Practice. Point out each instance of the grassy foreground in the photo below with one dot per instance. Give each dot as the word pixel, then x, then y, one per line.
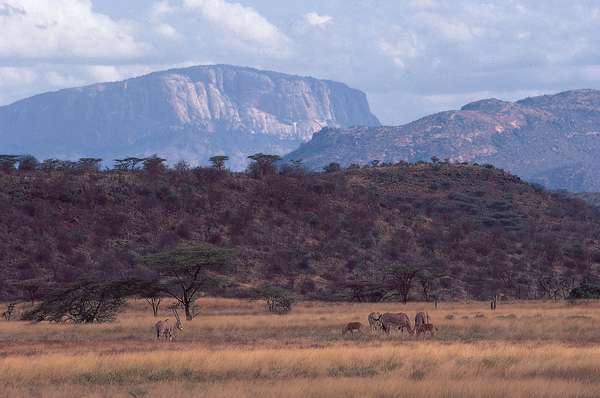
pixel 233 349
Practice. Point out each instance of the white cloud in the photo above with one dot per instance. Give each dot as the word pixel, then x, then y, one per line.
pixel 14 77
pixel 63 28
pixel 402 48
pixel 445 28
pixel 422 4
pixel 158 13
pixel 160 9
pixel 167 30
pixel 58 79
pixel 314 19
pixel 112 73
pixel 104 73
pixel 244 23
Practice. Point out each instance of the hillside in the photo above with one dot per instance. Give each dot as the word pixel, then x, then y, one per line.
pixel 551 139
pixel 188 114
pixel 470 230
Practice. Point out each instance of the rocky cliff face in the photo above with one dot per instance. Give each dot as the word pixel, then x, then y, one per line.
pixel 189 114
pixel 552 139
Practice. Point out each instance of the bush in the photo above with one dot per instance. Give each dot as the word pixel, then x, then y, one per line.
pixel 279 301
pixel 588 289
pixel 28 163
pixel 279 304
pixel 332 167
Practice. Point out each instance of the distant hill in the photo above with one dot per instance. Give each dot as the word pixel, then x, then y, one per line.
pixel 469 230
pixel 552 139
pixel 189 114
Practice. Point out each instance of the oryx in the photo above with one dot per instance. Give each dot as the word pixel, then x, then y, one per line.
pixel 399 320
pixel 375 321
pixel 167 328
pixel 422 318
pixel 426 328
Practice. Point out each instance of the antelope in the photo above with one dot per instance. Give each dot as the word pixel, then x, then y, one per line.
pixel 166 328
pixel 421 318
pixel 8 314
pixel 426 328
pixel 375 320
pixel 399 320
pixel 351 327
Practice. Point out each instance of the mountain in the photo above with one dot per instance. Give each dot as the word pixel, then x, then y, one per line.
pixel 189 114
pixel 475 229
pixel 552 139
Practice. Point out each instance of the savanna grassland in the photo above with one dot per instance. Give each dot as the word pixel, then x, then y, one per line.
pixel 234 349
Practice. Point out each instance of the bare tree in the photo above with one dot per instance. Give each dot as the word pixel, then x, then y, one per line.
pixel 154 303
pixel 426 280
pixel 402 276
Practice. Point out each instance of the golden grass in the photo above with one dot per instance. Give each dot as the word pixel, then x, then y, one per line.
pixel 234 349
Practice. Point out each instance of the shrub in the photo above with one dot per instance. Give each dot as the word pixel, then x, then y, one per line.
pixel 588 289
pixel 279 301
pixel 28 163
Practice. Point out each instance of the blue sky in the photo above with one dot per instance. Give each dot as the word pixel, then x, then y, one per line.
pixel 411 57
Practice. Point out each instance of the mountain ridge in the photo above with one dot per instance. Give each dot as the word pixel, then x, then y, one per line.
pixel 533 138
pixel 184 113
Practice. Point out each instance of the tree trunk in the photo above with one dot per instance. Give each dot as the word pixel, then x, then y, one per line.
pixel 188 313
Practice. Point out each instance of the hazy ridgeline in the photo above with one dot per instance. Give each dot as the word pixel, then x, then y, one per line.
pixel 233 348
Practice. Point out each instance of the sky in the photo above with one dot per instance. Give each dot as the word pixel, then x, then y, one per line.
pixel 411 57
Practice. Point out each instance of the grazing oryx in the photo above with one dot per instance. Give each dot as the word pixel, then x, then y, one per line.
pixel 351 327
pixel 426 328
pixel 166 328
pixel 375 320
pixel 421 318
pixel 396 321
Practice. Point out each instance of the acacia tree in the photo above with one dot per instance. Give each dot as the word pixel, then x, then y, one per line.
pixel 263 164
pixel 218 161
pixel 89 165
pixel 185 272
pixel 128 164
pixel 86 301
pixel 154 164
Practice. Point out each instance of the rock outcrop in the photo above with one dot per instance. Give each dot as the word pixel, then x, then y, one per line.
pixel 189 114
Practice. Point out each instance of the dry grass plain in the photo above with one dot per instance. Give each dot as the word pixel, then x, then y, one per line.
pixel 234 349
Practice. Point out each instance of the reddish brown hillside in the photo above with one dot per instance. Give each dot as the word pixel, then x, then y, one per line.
pixel 470 230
